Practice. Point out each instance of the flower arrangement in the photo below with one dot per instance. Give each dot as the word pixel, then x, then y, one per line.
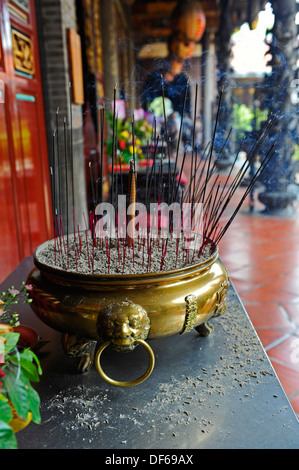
pixel 19 402
pixel 8 299
pixel 124 132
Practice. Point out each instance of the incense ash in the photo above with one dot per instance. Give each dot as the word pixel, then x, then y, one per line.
pixel 85 255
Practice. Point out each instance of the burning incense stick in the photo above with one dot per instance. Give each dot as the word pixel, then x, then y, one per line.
pixel 94 199
pixel 113 144
pixel 66 180
pixel 179 138
pixel 58 161
pixel 71 145
pixel 132 200
pixel 102 114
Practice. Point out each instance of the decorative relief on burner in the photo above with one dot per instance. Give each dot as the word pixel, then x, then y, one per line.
pixel 221 296
pixel 191 313
pixel 123 323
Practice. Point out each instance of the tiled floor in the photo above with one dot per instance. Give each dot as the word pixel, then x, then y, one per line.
pixel 261 254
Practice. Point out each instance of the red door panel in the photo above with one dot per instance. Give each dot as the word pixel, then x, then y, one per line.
pixel 30 163
pixel 9 246
pixel 25 197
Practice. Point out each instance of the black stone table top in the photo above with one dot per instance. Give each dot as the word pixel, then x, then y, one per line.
pixel 214 392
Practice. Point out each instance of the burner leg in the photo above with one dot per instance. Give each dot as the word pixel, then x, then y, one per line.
pixel 205 328
pixel 81 349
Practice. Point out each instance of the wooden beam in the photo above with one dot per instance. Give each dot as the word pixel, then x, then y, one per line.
pixel 165 9
pixel 160 7
pixel 152 20
pixel 168 7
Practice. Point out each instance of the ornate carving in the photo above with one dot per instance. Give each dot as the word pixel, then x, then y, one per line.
pixel 23 4
pixel 123 323
pixel 44 300
pixel 80 348
pixel 20 9
pixel 23 56
pixel 191 313
pixel 221 296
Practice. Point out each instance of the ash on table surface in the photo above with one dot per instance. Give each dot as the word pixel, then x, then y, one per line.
pixel 186 401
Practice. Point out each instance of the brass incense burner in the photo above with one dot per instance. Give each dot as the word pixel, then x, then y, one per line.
pixel 125 310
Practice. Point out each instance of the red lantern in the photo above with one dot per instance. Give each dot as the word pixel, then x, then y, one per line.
pixel 181 48
pixel 189 20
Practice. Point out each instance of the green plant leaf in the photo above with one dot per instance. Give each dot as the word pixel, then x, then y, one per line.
pixel 29 355
pixel 7 437
pixel 3 398
pixel 29 363
pixel 11 341
pixel 23 397
pixel 17 393
pixel 36 360
pixel 28 368
pixel 5 410
pixel 34 404
pixel 11 374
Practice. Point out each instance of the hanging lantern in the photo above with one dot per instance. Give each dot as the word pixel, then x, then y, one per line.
pixel 181 48
pixel 189 20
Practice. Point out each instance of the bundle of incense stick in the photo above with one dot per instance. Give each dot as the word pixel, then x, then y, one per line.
pixel 207 188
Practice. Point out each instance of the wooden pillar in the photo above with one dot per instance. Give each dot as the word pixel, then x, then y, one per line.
pixel 110 47
pixel 207 87
pixel 223 52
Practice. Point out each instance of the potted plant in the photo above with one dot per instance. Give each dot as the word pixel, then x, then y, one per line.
pixel 19 402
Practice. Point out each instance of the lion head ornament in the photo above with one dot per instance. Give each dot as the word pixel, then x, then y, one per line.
pixel 123 323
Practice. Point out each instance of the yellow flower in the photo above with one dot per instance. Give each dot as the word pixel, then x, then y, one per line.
pixel 1 306
pixel 125 134
pixel 4 329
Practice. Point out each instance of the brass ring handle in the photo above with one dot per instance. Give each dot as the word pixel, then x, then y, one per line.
pixel 129 383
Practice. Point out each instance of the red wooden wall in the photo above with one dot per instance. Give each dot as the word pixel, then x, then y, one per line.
pixel 25 199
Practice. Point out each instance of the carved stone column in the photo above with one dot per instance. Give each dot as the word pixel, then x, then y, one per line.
pixel 278 176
